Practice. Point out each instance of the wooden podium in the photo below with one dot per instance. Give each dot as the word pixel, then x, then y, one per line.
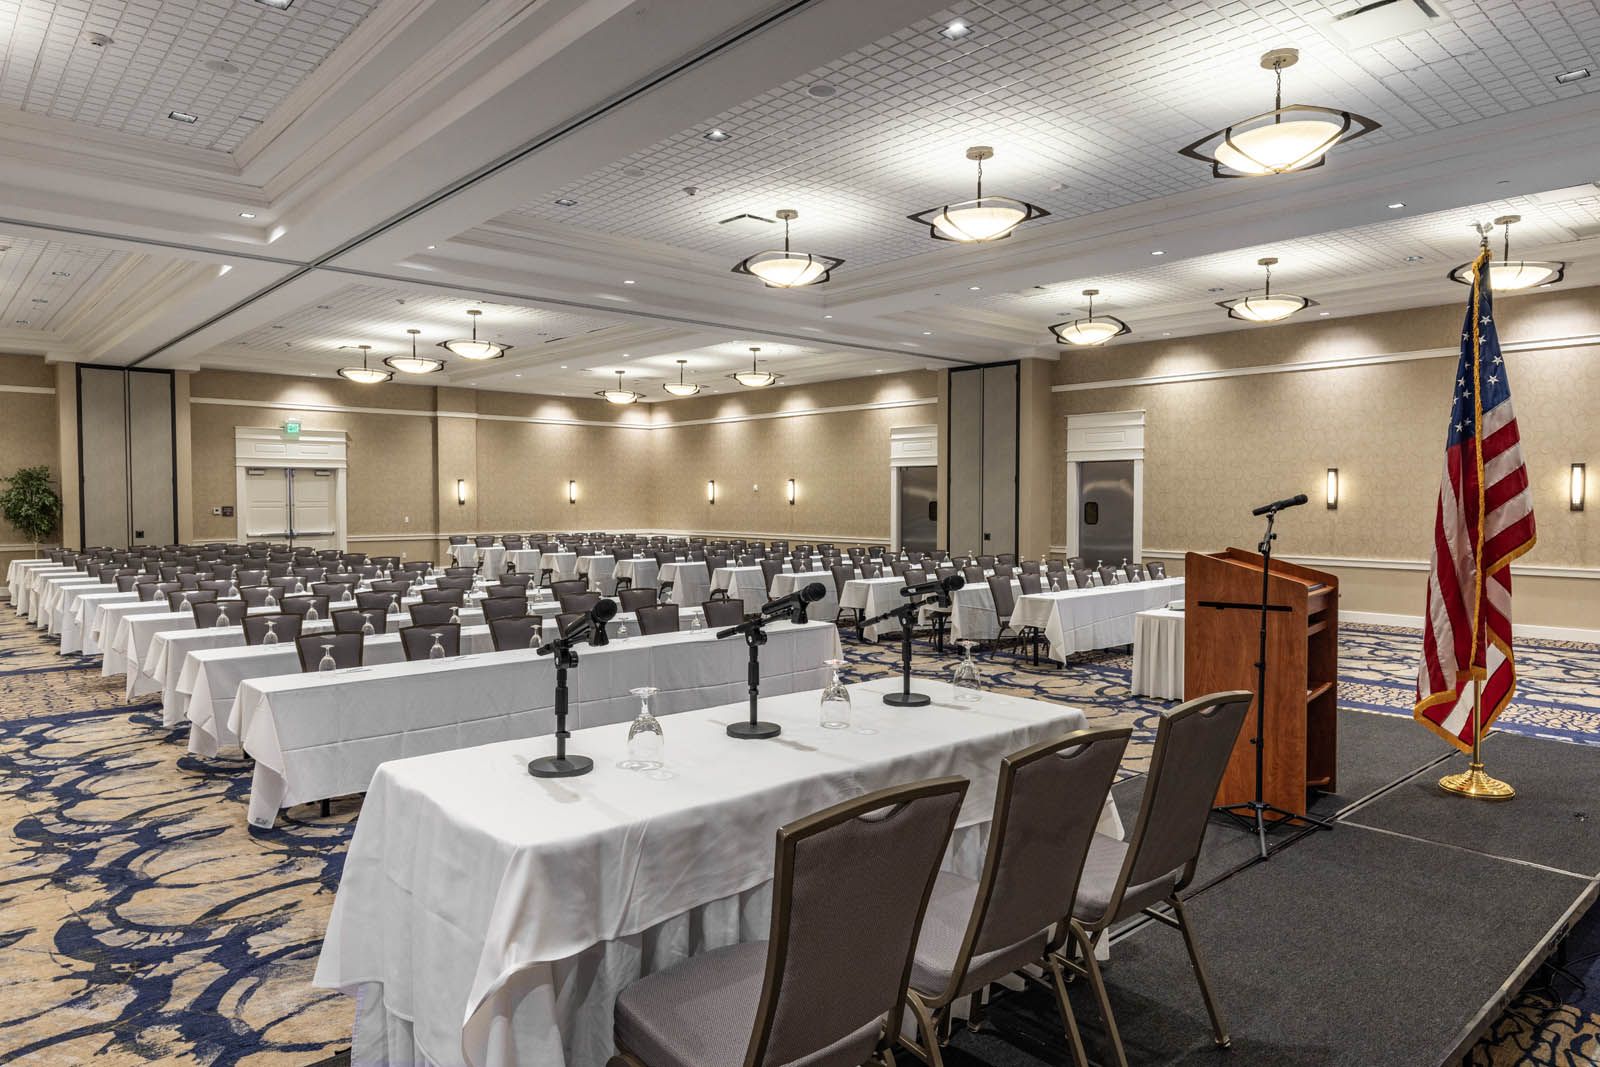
pixel 1220 647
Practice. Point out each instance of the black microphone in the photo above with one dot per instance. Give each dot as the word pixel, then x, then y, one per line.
pixel 943 586
pixel 809 593
pixel 591 624
pixel 1278 505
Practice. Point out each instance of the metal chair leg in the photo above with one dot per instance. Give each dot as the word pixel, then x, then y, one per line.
pixel 1074 1037
pixel 928 1027
pixel 1219 1032
pixel 1091 967
pixel 327 808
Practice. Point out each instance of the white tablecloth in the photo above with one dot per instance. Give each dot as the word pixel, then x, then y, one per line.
pixel 1158 654
pixel 48 591
pixel 493 557
pixel 563 564
pixel 322 735
pixel 578 886
pixel 641 572
pixel 823 610
pixel 79 608
pixel 25 593
pixel 1093 618
pixel 691 582
pixel 16 573
pixel 599 570
pixel 874 596
pixel 111 631
pixel 743 583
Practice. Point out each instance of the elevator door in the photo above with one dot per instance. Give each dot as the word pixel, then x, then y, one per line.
pixel 1105 511
pixel 918 520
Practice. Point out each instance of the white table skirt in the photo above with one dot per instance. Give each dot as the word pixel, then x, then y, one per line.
pixel 600 570
pixel 563 565
pixel 641 572
pixel 76 637
pixel 112 632
pixel 1158 654
pixel 874 596
pixel 691 582
pixel 17 572
pixel 571 900
pixel 322 735
pixel 50 596
pixel 26 592
pixel 823 610
pixel 743 583
pixel 1093 618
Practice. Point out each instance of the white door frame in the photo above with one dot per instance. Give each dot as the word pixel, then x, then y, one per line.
pixel 909 446
pixel 270 447
pixel 1105 435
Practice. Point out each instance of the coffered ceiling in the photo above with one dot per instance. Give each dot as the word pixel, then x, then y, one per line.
pixel 371 167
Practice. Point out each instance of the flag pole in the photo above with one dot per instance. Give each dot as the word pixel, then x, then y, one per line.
pixel 1474 782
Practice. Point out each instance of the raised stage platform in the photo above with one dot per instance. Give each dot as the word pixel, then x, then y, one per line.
pixel 1395 940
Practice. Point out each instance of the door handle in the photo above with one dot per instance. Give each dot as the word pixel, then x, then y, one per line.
pixel 933 511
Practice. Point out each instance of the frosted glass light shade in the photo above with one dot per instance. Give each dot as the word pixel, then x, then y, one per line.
pixel 1511 275
pixel 1090 331
pixel 1265 308
pixel 787 270
pixel 988 218
pixel 364 375
pixel 1278 147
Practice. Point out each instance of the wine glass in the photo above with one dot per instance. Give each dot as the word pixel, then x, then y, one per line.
pixel 311 613
pixel 645 740
pixel 696 622
pixel 367 629
pixel 966 683
pixel 1055 583
pixel 271 601
pixel 835 698
pixel 186 606
pixel 327 663
pixel 437 651
pixel 222 617
pixel 622 633
pixel 271 636
pixel 394 603
pixel 455 616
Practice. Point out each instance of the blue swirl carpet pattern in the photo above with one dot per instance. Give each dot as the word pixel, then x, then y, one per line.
pixel 142 921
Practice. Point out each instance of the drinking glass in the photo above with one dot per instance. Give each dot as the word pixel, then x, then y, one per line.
pixel 437 651
pixel 455 615
pixel 966 683
pixel 327 663
pixel 186 607
pixel 645 740
pixel 835 698
pixel 622 633
pixel 270 602
pixel 271 636
pixel 367 629
pixel 696 622
pixel 222 618
pixel 311 613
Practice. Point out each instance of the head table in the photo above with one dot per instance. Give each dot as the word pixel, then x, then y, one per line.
pixel 490 918
pixel 321 735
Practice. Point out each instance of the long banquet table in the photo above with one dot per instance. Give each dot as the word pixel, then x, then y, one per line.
pixel 691 581
pixel 320 735
pixel 17 573
pixel 490 918
pixel 1084 619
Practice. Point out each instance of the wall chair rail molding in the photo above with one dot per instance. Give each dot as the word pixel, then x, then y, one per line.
pixel 1543 344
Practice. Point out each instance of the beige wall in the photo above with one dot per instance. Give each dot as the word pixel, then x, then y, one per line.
pixel 1215 448
pixel 28 435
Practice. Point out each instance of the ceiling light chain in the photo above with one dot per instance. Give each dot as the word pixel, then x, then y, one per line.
pixel 992 218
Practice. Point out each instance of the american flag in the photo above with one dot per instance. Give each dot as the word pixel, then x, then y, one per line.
pixel 1484 521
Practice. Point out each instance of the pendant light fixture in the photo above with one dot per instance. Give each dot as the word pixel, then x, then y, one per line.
pixel 619 395
pixel 755 378
pixel 1507 274
pixel 681 387
pixel 984 218
pixel 786 269
pixel 1265 308
pixel 414 364
pixel 473 348
pixel 364 375
pixel 1285 139
pixel 1091 330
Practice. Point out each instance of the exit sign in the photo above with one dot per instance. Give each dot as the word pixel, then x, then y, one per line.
pixel 292 427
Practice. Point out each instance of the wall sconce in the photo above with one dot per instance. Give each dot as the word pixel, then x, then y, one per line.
pixel 1576 490
pixel 791 492
pixel 1333 488
pixel 461 491
pixel 711 491
pixel 572 492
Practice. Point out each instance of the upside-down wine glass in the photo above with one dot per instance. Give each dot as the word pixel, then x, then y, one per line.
pixel 327 663
pixel 646 744
pixel 437 651
pixel 271 636
pixel 835 698
pixel 966 683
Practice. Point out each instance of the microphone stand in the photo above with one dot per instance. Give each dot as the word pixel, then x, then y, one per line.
pixel 1252 814
pixel 755 635
pixel 907 614
pixel 561 765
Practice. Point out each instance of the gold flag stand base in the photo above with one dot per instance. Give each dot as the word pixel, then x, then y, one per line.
pixel 1473 782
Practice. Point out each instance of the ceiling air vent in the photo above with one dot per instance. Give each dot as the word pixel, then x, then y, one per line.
pixel 1382 20
pixel 746 223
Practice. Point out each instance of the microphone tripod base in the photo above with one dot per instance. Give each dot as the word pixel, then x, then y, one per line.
pixel 907 700
pixel 560 766
pixel 754 731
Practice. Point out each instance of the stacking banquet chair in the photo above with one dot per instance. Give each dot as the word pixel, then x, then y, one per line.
pixel 1156 570
pixel 448 582
pixel 1030 566
pixel 519 580
pixel 1134 572
pixel 255 596
pixel 504 607
pixel 723 612
pixel 1082 578
pixel 1108 575
pixel 284 627
pixel 392 585
pixel 1005 602
pixel 525 631
pixel 850 886
pixel 1047 803
pixel 305 604
pixel 567 587
pixel 658 619
pixel 379 601
pixel 842 574
pixel 176 598
pixel 484 540
pixel 1121 878
pixel 500 589
pixel 344 648
pixel 578 603
pixel 417 641
pixel 209 613
pixel 352 620
pixel 432 614
pixel 458 539
pixel 453 597
pixel 634 599
pixel 1031 583
pixel 770 569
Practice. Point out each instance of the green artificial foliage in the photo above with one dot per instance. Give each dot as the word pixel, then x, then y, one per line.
pixel 30 503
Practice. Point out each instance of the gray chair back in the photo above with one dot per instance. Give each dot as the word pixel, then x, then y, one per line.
pixel 567 586
pixel 1005 601
pixel 501 589
pixel 723 612
pixel 344 648
pixel 577 603
pixel 392 585
pixel 454 597
pixel 155 590
pixel 458 539
pixel 211 613
pixel 1082 578
pixel 1194 742
pixel 634 599
pixel 350 620
pixel 1156 569
pixel 449 582
pixel 522 632
pixel 658 619
pixel 1031 583
pixel 504 607
pixel 829 966
pixel 973 574
pixel 1108 575
pixel 302 605
pixel 176 598
pixel 378 601
pixel 842 574
pixel 418 640
pixel 426 614
pixel 520 580
pixel 770 569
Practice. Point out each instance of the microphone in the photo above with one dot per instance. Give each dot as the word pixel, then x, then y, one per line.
pixel 942 586
pixel 1278 505
pixel 591 624
pixel 809 593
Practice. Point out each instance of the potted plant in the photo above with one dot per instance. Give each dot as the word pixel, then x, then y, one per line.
pixel 30 503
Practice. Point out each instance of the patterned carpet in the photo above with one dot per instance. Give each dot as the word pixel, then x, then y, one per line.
pixel 141 921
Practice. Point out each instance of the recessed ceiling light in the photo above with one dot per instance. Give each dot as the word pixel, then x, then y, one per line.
pixel 247 214
pixel 432 247
pixel 1166 333
pixel 878 371
pixel 975 288
pixel 1572 76
pixel 718 134
pixel 955 29
pixel 518 375
pixel 99 40
pixel 59 274
pixel 1323 314
pixel 927 333
pixel 1397 205
pixel 1413 259
pixel 627 281
pixel 827 316
pixel 1158 252
pixel 566 201
pixel 183 116
pixel 820 90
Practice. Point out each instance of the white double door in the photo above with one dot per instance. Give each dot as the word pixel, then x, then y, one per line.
pixel 293 504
